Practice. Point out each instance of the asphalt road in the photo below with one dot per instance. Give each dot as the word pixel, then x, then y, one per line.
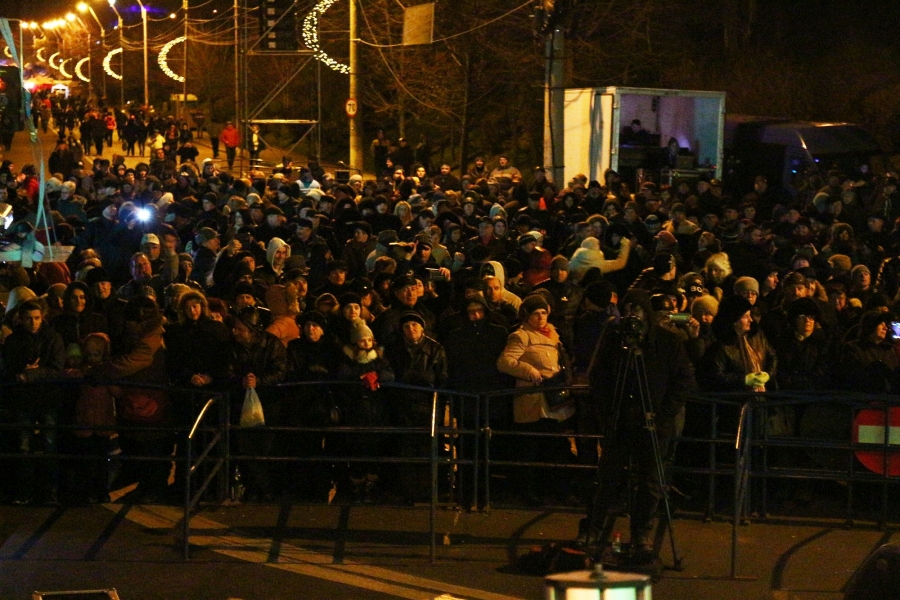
pixel 351 551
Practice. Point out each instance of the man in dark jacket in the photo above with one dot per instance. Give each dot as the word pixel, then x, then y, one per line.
pixel 416 360
pixel 259 362
pixel 638 349
pixel 34 352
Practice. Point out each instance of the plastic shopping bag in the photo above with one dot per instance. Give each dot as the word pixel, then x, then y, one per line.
pixel 252 411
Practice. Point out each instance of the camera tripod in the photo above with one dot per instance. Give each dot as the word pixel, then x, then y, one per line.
pixel 631 381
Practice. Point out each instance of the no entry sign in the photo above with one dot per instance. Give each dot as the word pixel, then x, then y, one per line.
pixel 868 428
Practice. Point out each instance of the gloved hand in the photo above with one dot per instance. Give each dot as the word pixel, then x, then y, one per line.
pixel 370 380
pixel 756 379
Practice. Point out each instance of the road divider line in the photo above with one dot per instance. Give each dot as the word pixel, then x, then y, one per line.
pixel 300 560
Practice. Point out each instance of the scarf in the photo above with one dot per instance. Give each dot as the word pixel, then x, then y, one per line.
pixel 751 360
pixel 545 331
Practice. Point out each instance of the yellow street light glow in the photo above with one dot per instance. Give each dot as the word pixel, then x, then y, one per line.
pixel 70 17
pixel 25 25
pixel 82 7
pixel 171 15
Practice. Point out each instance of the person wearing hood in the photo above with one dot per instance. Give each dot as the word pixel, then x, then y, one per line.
pixel 78 318
pixel 473 350
pixel 668 378
pixel 590 255
pixel 277 253
pixel 493 268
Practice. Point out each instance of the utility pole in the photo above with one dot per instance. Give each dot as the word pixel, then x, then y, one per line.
pixel 146 66
pixel 554 101
pixel 184 83
pixel 551 17
pixel 356 146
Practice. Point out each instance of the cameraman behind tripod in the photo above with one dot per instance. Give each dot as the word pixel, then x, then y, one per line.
pixel 643 368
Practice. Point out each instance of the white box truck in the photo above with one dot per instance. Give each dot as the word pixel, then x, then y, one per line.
pixel 598 133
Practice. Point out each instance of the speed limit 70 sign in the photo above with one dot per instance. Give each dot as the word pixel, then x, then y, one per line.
pixel 351 107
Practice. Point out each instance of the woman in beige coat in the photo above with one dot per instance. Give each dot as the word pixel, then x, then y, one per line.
pixel 532 356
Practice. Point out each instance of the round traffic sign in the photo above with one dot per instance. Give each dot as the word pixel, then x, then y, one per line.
pixel 868 428
pixel 351 107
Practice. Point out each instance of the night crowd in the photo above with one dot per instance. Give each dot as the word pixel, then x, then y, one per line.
pixel 183 274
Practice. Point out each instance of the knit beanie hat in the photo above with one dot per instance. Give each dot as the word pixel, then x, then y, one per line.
pixel 360 331
pixel 859 269
pixel 746 284
pixel 840 262
pixel 705 304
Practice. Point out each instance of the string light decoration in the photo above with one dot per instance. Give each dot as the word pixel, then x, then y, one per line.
pixel 311 37
pixel 106 64
pixel 52 57
pixel 163 62
pixel 62 68
pixel 79 73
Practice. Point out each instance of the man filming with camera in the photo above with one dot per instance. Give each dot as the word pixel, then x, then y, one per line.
pixel 640 383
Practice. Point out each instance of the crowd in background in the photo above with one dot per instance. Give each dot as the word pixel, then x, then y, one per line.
pixel 186 274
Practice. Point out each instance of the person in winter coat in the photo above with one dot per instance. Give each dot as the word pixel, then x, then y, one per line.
pixel 362 406
pixel 33 353
pixel 78 318
pixel 277 253
pixel 870 363
pixel 534 355
pixel 142 361
pixel 416 359
pixel 258 361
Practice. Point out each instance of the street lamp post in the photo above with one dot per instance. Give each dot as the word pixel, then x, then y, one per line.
pixel 85 7
pixel 146 83
pixel 112 5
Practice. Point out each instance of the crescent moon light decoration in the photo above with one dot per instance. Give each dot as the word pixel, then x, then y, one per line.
pixel 163 59
pixel 40 56
pixel 52 65
pixel 62 68
pixel 311 37
pixel 78 72
pixel 106 64
pixel 7 52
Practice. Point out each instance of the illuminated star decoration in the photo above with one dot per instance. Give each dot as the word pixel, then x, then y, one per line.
pixel 78 71
pixel 106 64
pixel 163 62
pixel 311 37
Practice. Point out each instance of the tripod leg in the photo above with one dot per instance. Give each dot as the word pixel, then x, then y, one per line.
pixel 659 465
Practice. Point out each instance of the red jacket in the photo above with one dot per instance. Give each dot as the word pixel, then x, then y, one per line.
pixel 230 137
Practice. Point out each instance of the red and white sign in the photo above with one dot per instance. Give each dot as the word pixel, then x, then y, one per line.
pixel 868 428
pixel 351 107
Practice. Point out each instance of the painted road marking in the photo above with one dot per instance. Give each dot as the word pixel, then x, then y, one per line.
pixel 301 560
